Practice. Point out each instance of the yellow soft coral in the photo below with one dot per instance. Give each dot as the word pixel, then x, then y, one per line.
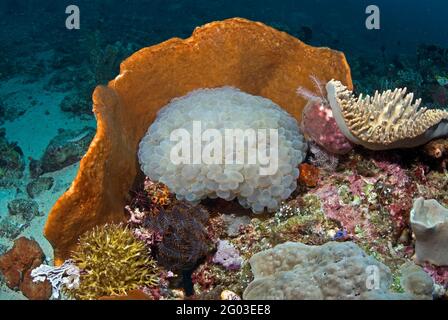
pixel 112 263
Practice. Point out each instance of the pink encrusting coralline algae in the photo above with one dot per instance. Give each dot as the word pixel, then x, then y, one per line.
pixel 318 122
pixel 320 126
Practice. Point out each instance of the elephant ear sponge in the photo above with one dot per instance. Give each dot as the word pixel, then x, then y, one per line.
pixel 112 263
pixel 222 109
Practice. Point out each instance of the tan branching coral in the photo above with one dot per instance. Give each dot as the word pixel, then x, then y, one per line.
pixel 112 263
pixel 385 121
pixel 248 55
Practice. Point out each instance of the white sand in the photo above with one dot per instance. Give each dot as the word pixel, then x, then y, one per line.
pixel 33 131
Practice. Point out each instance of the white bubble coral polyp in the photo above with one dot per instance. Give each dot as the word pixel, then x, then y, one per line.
pixel 221 109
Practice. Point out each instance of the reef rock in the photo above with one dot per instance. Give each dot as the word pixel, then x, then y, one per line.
pixel 12 163
pixel 247 55
pixel 416 281
pixel 65 149
pixel 24 209
pixel 39 185
pixel 335 270
pixel 16 266
pixel 429 221
pixel 233 223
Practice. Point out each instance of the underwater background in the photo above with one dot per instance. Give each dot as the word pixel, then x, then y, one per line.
pixel 48 73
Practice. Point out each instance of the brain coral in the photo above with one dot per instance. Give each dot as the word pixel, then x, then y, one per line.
pixel 335 270
pixel 222 109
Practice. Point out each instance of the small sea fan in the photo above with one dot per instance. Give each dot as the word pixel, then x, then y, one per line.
pixel 311 96
pixel 184 237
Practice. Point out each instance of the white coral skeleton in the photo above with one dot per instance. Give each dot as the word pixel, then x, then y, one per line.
pixel 66 275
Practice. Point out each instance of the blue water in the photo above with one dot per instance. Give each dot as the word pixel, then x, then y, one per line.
pixel 30 26
pixel 340 24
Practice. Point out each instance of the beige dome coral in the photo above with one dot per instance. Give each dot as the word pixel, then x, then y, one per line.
pixel 387 120
pixel 334 270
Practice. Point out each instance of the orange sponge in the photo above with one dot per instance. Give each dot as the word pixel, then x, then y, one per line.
pixel 236 52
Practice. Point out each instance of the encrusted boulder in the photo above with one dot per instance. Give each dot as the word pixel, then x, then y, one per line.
pixel 66 148
pixel 23 209
pixel 12 162
pixel 16 266
pixel 39 185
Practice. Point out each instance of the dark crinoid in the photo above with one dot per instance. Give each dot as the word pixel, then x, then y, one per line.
pixel 184 236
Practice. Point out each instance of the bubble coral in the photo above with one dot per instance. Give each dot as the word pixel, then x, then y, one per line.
pixel 112 263
pixel 255 184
